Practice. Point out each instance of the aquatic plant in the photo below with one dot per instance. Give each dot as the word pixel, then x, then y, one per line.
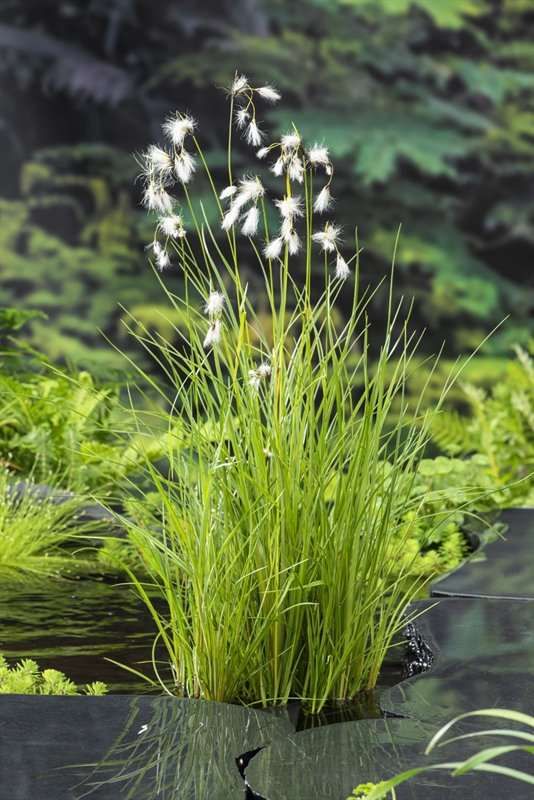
pixel 34 529
pixel 278 527
pixel 26 678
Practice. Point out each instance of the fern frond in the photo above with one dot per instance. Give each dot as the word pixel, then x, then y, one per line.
pixel 452 432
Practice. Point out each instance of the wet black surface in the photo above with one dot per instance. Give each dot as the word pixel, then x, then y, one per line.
pixel 328 763
pixel 61 748
pixel 483 657
pixel 503 568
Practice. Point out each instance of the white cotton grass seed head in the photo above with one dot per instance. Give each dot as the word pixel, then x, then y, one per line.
pixel 278 167
pixel 157 199
pixel 273 248
pixel 150 198
pixel 241 118
pixel 165 201
pixel 323 201
pixel 293 243
pixel 269 93
pixel 253 134
pixel 177 126
pixel 228 192
pixel 264 370
pixel 290 207
pixel 319 154
pixel 214 305
pixel 291 141
pixel 254 379
pixel 263 152
pixel 328 238
pixel 296 170
pixel 240 83
pixel 184 165
pixel 213 335
pixel 171 226
pixel 250 189
pixel 342 268
pixel 231 216
pixel 156 247
pixel 252 218
pixel 162 260
pixel 159 160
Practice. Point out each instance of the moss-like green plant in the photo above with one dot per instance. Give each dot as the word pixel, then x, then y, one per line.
pixel 500 427
pixel 447 491
pixel 363 790
pixel 26 678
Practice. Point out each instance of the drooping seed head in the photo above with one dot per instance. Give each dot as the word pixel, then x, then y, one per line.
pixel 240 83
pixel 319 154
pixel 290 207
pixel 214 305
pixel 213 335
pixel 184 165
pixel 323 201
pixel 328 237
pixel 171 225
pixel 252 218
pixel 273 248
pixel 241 118
pixel 253 134
pixel 162 260
pixel 342 268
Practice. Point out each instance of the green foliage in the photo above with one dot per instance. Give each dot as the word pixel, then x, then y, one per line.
pixel 363 790
pixel 445 492
pixel 500 427
pixel 60 423
pixel 26 678
pixel 71 247
pixel 34 530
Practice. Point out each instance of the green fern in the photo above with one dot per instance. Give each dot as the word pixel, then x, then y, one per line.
pixel 500 427
pixel 451 432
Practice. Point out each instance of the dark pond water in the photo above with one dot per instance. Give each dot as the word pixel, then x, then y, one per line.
pixel 74 626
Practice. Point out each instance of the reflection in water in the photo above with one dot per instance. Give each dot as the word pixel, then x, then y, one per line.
pixel 74 625
pixel 177 749
pixel 483 657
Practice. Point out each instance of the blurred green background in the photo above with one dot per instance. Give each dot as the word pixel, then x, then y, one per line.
pixel 426 105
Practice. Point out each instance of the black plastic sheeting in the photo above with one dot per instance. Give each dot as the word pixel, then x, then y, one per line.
pixel 502 568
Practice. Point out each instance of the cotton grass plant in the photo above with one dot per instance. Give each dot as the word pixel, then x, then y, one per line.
pixel 275 536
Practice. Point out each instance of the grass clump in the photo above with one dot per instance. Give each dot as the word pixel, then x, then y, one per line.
pixel 276 534
pixel 36 529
